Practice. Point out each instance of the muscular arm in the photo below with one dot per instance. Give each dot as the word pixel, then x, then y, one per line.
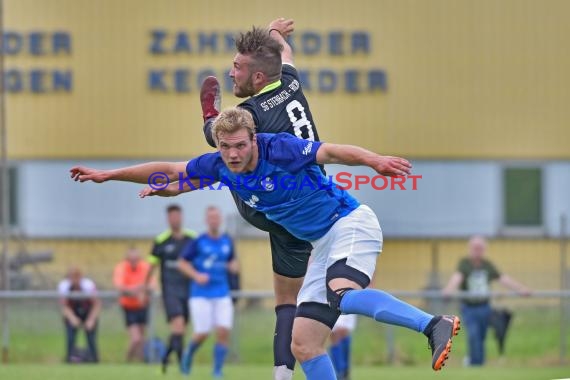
pixel 279 30
pixel 353 156
pixel 137 173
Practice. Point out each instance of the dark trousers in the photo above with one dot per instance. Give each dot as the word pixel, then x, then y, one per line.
pixel 70 338
pixel 476 320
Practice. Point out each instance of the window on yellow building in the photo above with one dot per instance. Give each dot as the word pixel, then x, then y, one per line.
pixel 522 197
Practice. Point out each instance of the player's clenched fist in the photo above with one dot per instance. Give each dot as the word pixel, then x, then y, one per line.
pixel 283 26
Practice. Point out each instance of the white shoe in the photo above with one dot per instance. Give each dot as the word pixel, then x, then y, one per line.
pixel 282 373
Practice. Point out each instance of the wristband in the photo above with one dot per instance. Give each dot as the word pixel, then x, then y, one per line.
pixel 272 29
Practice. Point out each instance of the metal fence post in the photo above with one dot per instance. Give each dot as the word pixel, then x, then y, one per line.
pixel 563 286
pixel 4 203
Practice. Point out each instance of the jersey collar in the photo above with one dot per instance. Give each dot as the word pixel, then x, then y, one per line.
pixel 269 87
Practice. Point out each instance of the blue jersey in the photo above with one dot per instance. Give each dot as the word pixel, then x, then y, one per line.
pixel 287 185
pixel 211 256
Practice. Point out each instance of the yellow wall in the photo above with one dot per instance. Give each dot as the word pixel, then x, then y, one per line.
pixel 466 79
pixel 404 264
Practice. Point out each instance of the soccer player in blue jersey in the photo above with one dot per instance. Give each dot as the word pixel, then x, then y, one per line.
pixel 278 174
pixel 207 261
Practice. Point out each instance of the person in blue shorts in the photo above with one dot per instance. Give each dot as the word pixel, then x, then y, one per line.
pixel 207 261
pixel 279 175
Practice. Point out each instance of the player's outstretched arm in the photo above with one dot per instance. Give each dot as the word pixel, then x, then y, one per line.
pixel 354 155
pixel 137 173
pixel 173 189
pixel 279 30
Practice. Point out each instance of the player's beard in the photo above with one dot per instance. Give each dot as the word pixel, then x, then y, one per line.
pixel 244 90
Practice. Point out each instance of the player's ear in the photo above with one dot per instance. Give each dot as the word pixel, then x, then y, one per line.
pixel 258 78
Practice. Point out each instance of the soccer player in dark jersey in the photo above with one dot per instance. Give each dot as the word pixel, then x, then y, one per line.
pixel 167 248
pixel 263 72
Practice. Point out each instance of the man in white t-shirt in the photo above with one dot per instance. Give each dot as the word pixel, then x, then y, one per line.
pixel 79 313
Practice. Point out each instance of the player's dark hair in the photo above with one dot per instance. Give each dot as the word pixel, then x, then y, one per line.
pixel 264 51
pixel 172 208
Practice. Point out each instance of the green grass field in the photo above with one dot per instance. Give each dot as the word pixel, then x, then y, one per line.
pixel 36 349
pixel 248 372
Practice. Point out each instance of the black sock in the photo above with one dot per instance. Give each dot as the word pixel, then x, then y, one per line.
pixel 429 327
pixel 282 354
pixel 176 345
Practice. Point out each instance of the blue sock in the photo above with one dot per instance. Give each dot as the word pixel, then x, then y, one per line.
pixel 319 368
pixel 220 353
pixel 345 344
pixel 337 357
pixel 384 307
pixel 187 357
pixel 193 347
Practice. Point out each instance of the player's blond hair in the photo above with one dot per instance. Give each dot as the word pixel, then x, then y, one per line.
pixel 232 120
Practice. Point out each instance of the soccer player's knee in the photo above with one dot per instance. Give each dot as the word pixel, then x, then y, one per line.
pixel 340 270
pixel 303 349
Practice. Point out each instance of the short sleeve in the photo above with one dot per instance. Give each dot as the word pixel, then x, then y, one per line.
pixel 205 166
pixel 63 288
pixel 494 273
pixel 88 286
pixel 292 153
pixel 231 256
pixel 464 267
pixel 190 249
pixel 153 259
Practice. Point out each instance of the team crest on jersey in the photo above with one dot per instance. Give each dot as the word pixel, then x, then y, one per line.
pixel 268 184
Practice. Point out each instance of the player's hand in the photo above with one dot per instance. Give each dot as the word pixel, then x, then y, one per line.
pixel 75 322
pixel 169 191
pixel 284 26
pixel 201 278
pixel 393 166
pixel 82 174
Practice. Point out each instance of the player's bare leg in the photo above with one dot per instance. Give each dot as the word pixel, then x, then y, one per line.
pixel 188 355
pixel 136 342
pixel 308 346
